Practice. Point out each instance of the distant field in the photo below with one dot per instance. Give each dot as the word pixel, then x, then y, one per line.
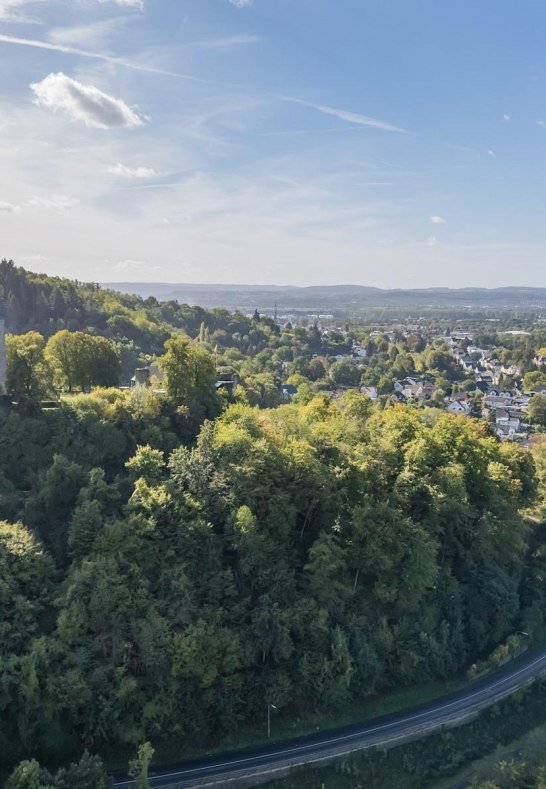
pixel 336 298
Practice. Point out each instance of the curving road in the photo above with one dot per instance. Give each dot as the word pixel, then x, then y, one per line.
pixel 271 760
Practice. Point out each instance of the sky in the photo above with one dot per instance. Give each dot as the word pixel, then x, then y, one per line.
pixel 375 142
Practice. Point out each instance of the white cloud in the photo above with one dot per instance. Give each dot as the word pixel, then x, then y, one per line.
pixel 491 154
pixel 131 172
pixel 54 202
pixel 432 241
pixel 241 3
pixel 94 34
pixel 9 13
pixel 131 265
pixel 507 118
pixel 7 6
pixel 541 123
pixel 438 220
pixel 84 103
pixel 8 208
pixel 136 266
pixel 127 3
pixel 350 117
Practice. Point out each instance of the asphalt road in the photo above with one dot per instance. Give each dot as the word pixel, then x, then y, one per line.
pixel 373 732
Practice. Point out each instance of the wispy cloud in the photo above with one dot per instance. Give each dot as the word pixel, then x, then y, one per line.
pixel 132 265
pixel 136 265
pixel 354 118
pixel 68 50
pixel 127 3
pixel 222 43
pixel 84 103
pixel 438 220
pixel 58 203
pixel 169 185
pixel 462 148
pixel 131 64
pixel 241 3
pixel 9 10
pixel 507 118
pixel 132 172
pixel 296 132
pixel 344 115
pixel 94 34
pixel 7 208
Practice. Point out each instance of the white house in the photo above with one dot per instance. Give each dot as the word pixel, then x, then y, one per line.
pixel 460 407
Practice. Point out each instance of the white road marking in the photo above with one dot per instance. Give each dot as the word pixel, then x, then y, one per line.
pixel 345 737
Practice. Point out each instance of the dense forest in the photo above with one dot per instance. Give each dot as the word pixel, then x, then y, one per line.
pixel 35 302
pixel 172 560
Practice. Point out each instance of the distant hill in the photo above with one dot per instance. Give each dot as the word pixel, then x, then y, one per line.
pixel 333 298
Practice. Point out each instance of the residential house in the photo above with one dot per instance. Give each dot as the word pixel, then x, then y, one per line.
pixel 288 392
pixel 228 382
pixel 370 391
pixel 145 375
pixel 473 350
pixel 398 397
pixel 496 401
pixel 461 335
pixel 459 407
pixel 512 370
pixel 424 391
pixel 358 351
pixel 507 427
pixel 522 401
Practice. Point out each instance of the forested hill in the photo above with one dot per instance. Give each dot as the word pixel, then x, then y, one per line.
pixel 337 298
pixel 37 302
pixel 139 327
pixel 307 555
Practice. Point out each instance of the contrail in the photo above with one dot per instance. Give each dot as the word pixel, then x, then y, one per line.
pixel 349 117
pixel 84 53
pixel 344 115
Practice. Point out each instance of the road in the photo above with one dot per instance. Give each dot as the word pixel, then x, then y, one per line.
pixel 220 770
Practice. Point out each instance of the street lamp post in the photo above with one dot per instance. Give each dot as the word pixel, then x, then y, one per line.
pixel 269 708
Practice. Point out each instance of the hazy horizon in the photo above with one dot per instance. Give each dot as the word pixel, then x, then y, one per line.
pixel 274 286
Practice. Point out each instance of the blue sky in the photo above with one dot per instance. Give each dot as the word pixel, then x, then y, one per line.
pixel 379 142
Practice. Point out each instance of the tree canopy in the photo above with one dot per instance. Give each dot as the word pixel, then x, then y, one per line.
pixel 174 557
pixel 309 554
